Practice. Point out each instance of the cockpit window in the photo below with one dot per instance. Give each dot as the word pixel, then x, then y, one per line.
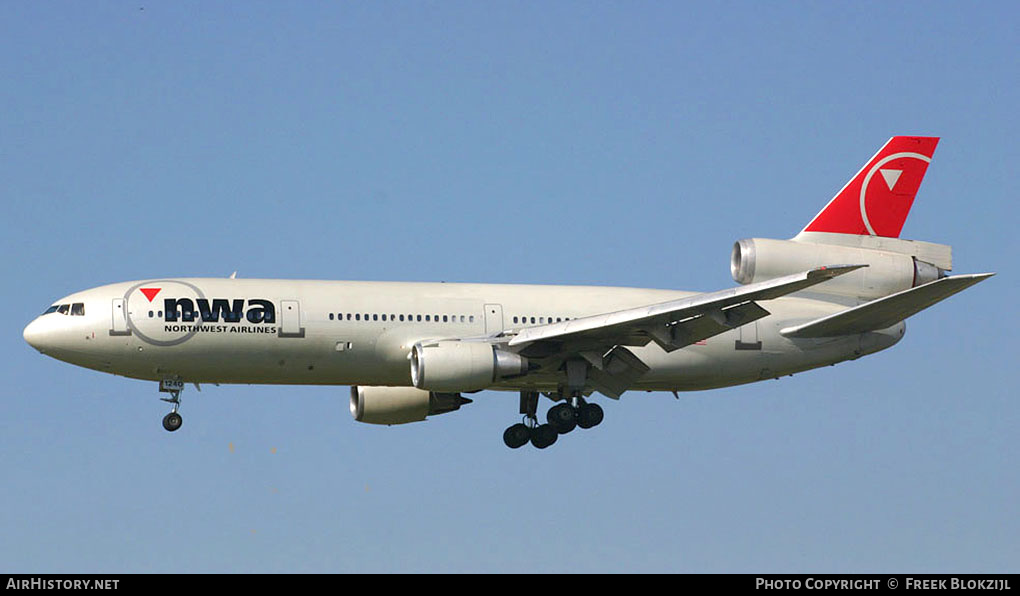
pixel 77 309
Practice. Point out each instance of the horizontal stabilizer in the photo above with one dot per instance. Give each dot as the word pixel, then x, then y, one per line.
pixel 881 313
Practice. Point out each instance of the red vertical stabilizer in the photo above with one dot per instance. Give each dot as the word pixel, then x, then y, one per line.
pixel 877 200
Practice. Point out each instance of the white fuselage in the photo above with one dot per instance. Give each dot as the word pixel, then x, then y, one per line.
pixel 360 333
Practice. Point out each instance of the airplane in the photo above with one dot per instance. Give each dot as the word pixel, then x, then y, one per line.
pixel 838 290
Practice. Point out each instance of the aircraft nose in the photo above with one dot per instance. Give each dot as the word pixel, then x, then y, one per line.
pixel 35 335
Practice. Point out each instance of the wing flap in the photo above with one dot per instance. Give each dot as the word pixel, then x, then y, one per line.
pixel 616 371
pixel 703 326
pixel 881 313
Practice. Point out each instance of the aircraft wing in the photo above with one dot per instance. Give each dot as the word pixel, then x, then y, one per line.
pixel 677 323
pixel 602 339
pixel 881 313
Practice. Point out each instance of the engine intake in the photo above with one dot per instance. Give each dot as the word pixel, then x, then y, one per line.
pixel 462 365
pixel 400 405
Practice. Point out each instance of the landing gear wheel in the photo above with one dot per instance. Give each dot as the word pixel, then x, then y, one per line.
pixel 172 421
pixel 562 417
pixel 589 415
pixel 517 435
pixel 543 436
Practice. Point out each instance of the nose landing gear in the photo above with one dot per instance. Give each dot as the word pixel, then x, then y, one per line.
pixel 173 420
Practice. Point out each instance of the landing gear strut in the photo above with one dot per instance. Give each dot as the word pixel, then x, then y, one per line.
pixel 173 420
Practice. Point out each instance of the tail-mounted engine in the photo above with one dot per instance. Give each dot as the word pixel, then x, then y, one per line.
pixel 891 269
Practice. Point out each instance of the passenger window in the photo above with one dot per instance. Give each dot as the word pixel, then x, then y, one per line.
pixel 427 317
pixel 357 317
pixel 384 317
pixel 444 319
pixel 330 316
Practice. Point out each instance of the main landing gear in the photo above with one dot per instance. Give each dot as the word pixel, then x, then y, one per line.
pixel 560 420
pixel 173 420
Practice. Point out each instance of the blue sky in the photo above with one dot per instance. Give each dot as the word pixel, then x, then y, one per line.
pixel 577 143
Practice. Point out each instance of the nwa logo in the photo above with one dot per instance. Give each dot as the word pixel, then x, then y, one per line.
pixel 214 310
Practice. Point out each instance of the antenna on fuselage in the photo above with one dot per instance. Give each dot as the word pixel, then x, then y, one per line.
pixel 233 275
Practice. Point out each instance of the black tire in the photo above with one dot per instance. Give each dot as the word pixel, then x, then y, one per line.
pixel 172 421
pixel 543 436
pixel 562 417
pixel 516 436
pixel 590 415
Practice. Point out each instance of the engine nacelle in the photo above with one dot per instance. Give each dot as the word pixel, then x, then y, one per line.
pixel 400 405
pixel 887 272
pixel 462 365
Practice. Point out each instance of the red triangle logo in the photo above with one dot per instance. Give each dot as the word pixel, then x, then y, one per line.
pixel 150 293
